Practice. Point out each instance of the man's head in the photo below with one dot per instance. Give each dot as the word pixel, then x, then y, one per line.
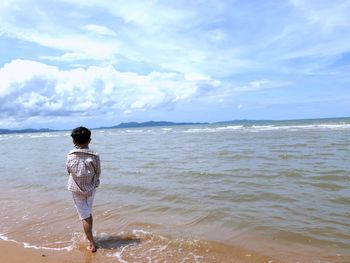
pixel 81 135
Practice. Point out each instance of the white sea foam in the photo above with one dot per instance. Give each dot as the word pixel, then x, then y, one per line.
pixel 28 245
pixel 44 135
pixel 36 247
pixel 255 128
pixel 191 255
pixel 133 131
pixel 235 127
pixel 119 255
pixel 302 127
pixel 200 130
pixel 3 237
pixel 141 233
pixel 155 246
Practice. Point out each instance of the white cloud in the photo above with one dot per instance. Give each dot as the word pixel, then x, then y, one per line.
pixel 316 31
pixel 22 71
pixel 102 30
pixel 261 85
pixel 197 76
pixel 162 34
pixel 67 57
pixel 186 37
pixel 325 14
pixel 194 49
pixel 32 88
pixel 218 35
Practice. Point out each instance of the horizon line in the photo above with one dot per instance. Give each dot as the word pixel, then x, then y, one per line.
pixel 172 122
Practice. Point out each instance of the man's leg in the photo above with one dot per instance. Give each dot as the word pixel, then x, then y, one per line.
pixel 87 225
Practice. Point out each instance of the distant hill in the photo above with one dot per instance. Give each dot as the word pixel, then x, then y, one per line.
pixel 151 124
pixel 121 125
pixel 6 131
pixel 168 123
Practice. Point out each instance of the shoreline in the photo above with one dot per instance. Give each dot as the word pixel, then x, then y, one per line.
pixel 12 252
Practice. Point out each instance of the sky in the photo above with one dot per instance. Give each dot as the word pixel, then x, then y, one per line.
pixel 99 63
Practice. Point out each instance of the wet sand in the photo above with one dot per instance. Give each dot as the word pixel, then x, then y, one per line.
pixel 11 252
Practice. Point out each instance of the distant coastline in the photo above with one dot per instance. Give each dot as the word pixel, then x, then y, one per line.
pixel 168 123
pixel 119 126
pixel 151 124
pixel 9 131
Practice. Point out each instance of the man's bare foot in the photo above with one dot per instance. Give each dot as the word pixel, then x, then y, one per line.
pixel 92 248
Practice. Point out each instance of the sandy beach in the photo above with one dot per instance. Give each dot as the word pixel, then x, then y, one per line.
pixel 16 253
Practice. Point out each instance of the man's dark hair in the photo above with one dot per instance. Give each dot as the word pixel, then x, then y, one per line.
pixel 81 135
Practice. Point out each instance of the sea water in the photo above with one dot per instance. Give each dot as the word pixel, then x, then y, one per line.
pixel 281 189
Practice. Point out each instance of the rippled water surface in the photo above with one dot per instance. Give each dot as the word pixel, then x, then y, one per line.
pixel 282 190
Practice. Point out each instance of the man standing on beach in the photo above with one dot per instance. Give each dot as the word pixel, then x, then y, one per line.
pixel 83 166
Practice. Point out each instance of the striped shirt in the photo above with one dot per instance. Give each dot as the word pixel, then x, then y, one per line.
pixel 84 169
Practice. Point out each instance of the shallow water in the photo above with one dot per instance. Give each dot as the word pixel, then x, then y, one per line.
pixel 280 190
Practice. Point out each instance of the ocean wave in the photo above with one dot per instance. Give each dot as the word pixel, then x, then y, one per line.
pixel 133 131
pixel 200 130
pixel 256 128
pixel 154 247
pixel 302 127
pixel 44 135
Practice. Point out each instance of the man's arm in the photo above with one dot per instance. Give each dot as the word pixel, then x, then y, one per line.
pixel 68 166
pixel 98 166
